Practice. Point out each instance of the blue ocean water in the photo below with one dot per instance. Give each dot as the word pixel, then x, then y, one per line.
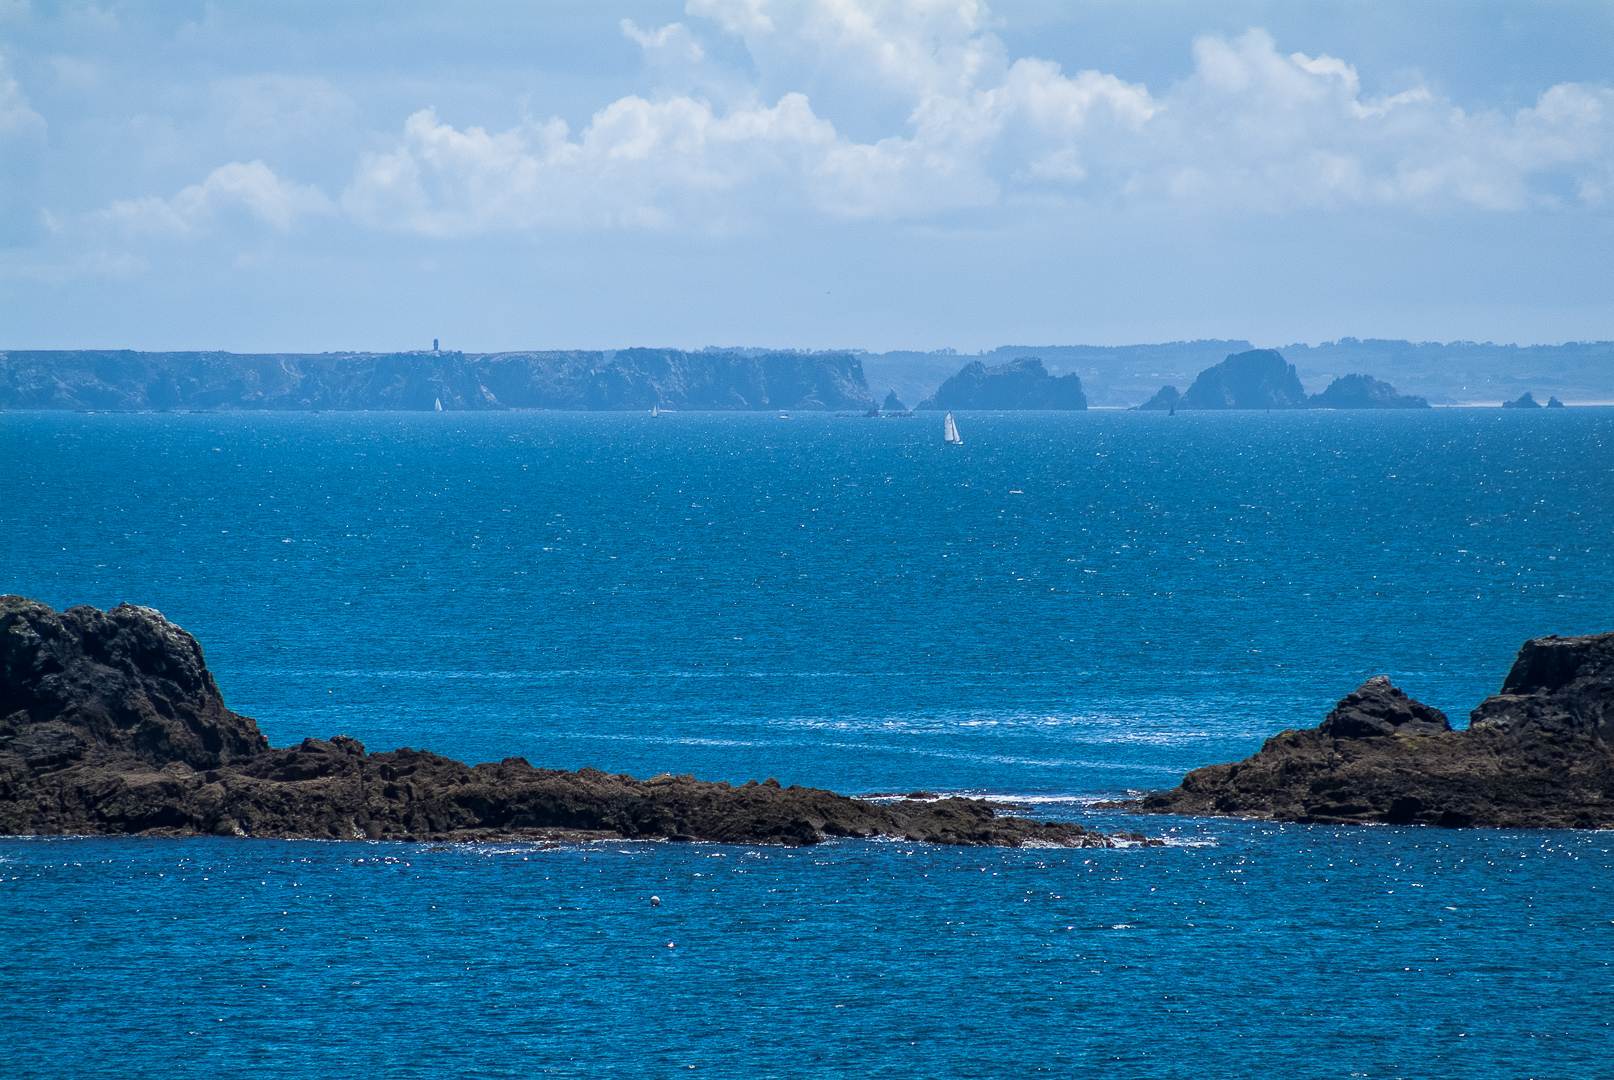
pixel 1067 607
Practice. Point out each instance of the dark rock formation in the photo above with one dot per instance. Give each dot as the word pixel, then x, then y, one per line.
pixel 1258 379
pixel 1364 392
pixel 1525 400
pixel 1019 384
pixel 1537 755
pixel 893 403
pixel 1554 403
pixel 110 723
pixel 1166 400
pixel 1377 708
pixel 630 379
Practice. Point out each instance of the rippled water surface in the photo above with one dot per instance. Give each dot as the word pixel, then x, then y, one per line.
pixel 1066 607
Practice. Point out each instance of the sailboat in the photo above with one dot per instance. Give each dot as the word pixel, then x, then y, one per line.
pixel 439 404
pixel 655 412
pixel 950 431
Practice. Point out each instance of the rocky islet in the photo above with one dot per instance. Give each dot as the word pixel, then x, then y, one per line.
pixel 110 723
pixel 1535 755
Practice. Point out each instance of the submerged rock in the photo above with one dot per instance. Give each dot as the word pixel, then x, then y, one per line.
pixel 111 723
pixel 1536 755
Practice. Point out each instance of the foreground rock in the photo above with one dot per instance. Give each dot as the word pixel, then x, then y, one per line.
pixel 110 723
pixel 1537 755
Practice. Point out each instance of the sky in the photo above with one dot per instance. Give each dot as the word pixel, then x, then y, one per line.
pixel 876 174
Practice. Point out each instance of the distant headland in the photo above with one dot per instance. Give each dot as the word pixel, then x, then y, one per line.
pixel 1218 374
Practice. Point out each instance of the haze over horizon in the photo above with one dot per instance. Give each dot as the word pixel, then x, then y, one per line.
pixel 819 174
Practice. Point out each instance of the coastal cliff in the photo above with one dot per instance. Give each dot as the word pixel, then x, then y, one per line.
pixel 110 723
pixel 1536 755
pixel 127 381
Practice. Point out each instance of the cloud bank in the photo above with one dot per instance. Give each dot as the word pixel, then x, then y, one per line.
pixel 732 138
pixel 1251 129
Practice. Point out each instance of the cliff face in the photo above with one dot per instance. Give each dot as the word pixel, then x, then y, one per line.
pixel 1258 379
pixel 133 381
pixel 630 379
pixel 1019 384
pixel 110 723
pixel 1537 755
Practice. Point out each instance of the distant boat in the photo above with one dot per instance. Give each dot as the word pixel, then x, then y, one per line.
pixel 950 431
pixel 439 404
pixel 655 411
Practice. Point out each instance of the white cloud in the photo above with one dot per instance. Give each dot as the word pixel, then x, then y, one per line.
pixel 1252 129
pixel 17 117
pixel 672 40
pixel 1249 130
pixel 682 161
pixel 252 189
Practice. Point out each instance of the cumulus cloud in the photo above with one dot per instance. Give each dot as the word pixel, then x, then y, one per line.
pixel 250 189
pixel 1250 129
pixel 681 160
pixel 1254 129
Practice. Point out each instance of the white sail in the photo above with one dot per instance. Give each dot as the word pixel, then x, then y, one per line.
pixel 439 404
pixel 655 410
pixel 950 431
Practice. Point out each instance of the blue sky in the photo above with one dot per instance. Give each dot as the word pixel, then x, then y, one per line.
pixel 819 174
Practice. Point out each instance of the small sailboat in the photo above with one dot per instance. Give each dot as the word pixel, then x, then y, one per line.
pixel 950 431
pixel 439 404
pixel 655 412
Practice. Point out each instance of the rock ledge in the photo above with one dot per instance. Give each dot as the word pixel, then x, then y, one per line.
pixel 111 724
pixel 1536 755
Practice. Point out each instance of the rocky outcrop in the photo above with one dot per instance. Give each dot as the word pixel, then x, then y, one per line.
pixel 1258 379
pixel 1166 400
pixel 893 403
pixel 628 379
pixel 110 723
pixel 1526 400
pixel 1363 392
pixel 1019 384
pixel 1536 755
pixel 1554 403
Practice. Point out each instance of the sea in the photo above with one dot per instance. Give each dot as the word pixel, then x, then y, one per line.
pixel 1065 609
